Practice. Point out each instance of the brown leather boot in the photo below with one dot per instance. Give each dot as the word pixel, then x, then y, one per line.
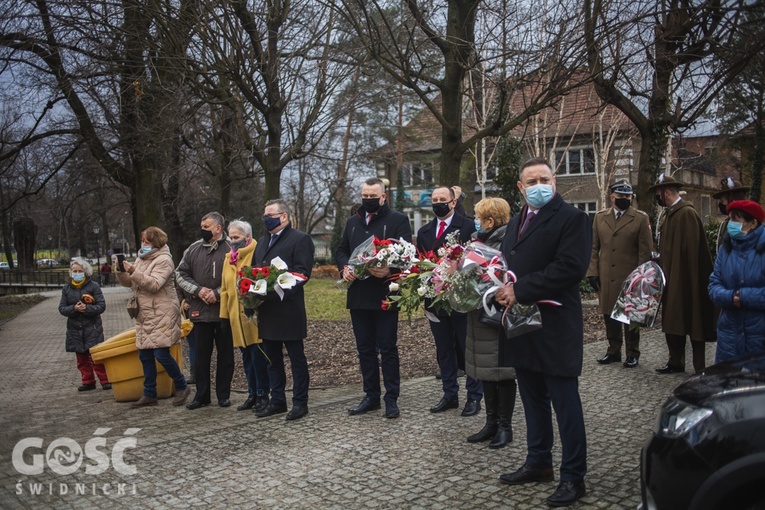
pixel 145 401
pixel 181 397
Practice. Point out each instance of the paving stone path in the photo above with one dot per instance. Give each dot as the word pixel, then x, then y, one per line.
pixel 221 458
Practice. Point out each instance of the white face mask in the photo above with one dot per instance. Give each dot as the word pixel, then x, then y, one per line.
pixel 539 195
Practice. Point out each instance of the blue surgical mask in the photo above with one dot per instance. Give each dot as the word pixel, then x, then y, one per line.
pixel 734 229
pixel 478 227
pixel 538 195
pixel 78 277
pixel 145 249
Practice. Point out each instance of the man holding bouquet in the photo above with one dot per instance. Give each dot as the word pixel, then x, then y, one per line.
pixel 548 247
pixel 373 327
pixel 282 321
pixel 621 241
pixel 449 329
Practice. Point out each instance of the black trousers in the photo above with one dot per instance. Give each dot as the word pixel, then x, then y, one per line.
pixel 378 329
pixel 676 348
pixel 277 377
pixel 209 334
pixel 614 331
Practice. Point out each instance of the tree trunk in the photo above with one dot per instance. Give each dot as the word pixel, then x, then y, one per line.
pixel 758 158
pixel 7 246
pixel 25 237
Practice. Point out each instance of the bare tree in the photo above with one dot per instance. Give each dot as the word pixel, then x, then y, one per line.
pixel 656 62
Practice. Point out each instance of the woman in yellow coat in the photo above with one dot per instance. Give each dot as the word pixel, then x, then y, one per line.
pixel 243 331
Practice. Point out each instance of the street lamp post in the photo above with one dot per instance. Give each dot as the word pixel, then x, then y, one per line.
pixel 97 230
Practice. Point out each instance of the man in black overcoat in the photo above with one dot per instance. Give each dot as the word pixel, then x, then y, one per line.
pixel 373 327
pixel 449 329
pixel 282 322
pixel 548 248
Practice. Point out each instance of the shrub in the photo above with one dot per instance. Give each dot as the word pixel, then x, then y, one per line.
pixel 326 271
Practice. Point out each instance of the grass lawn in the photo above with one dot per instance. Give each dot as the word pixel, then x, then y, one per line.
pixel 325 301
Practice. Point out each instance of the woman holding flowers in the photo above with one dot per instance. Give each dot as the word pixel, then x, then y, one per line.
pixel 158 324
pixel 485 345
pixel 82 302
pixel 244 332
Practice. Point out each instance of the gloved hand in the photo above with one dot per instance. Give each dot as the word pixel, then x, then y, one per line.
pixel 594 282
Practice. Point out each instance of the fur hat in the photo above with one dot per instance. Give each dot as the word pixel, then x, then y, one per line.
pixel 728 185
pixel 750 207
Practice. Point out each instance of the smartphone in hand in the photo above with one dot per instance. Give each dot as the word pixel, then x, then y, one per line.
pixel 121 262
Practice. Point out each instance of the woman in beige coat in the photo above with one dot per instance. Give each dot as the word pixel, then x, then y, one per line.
pixel 158 324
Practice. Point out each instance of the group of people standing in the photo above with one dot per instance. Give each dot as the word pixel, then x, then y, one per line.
pixel 550 246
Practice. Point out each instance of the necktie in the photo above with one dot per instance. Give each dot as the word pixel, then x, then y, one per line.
pixel 618 215
pixel 273 240
pixel 441 229
pixel 369 218
pixel 529 217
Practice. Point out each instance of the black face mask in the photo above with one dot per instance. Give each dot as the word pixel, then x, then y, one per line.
pixel 441 209
pixel 271 223
pixel 723 208
pixel 370 205
pixel 207 235
pixel 622 203
pixel 659 200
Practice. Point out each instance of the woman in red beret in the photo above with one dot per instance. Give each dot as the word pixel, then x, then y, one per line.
pixel 737 285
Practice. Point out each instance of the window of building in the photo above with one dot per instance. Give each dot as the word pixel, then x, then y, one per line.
pixel 589 207
pixel 574 161
pixel 416 174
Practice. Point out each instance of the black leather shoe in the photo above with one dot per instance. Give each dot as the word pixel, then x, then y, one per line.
pixel 670 369
pixel 224 403
pixel 630 362
pixel 391 410
pixel 366 405
pixel 461 373
pixel 471 408
pixel 445 404
pixel 86 387
pixel 195 404
pixel 503 436
pixel 609 358
pixel 106 386
pixel 566 494
pixel 272 409
pixel 261 402
pixel 528 475
pixel 247 404
pixel 297 412
pixel 438 375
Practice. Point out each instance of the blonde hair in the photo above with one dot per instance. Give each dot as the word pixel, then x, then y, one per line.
pixel 495 208
pixel 156 236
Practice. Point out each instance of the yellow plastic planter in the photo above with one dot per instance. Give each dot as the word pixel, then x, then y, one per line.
pixel 119 355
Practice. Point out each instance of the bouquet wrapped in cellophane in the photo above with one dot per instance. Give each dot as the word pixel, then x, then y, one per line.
pixel 640 297
pixel 379 253
pixel 254 283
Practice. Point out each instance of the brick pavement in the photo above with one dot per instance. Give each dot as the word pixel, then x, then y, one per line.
pixel 222 458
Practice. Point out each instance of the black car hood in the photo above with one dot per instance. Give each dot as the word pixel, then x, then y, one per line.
pixel 740 375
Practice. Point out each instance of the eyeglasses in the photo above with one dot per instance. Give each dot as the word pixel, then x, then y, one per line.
pixel 273 215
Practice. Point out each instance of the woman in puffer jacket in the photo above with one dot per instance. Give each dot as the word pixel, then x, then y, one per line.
pixel 83 303
pixel 737 285
pixel 158 324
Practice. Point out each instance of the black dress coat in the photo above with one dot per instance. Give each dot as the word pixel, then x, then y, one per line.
pixel 285 320
pixel 550 259
pixel 369 294
pixel 83 330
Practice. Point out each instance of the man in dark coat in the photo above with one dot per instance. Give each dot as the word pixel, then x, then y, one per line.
pixel 548 247
pixel 373 327
pixel 199 277
pixel 621 241
pixel 449 329
pixel 684 257
pixel 282 322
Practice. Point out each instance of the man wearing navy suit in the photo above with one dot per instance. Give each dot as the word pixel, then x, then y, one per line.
pixel 282 322
pixel 548 247
pixel 449 329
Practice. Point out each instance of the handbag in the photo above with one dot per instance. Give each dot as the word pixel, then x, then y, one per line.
pixel 132 306
pixel 514 321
